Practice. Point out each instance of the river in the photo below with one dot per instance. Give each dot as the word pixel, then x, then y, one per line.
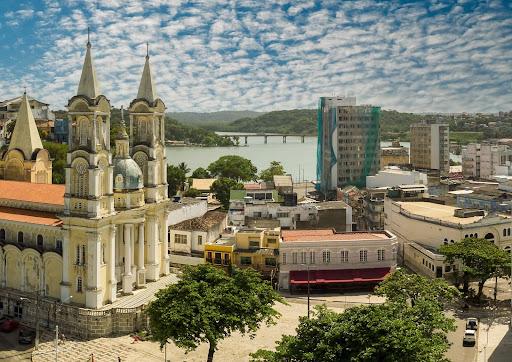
pixel 298 159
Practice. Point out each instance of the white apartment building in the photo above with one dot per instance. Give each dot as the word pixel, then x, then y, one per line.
pixel 484 161
pixel 422 227
pixel 339 260
pixel 393 176
pixel 430 146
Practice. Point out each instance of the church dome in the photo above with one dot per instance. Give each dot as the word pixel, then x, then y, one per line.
pixel 127 174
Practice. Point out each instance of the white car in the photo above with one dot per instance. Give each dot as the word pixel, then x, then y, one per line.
pixel 472 323
pixel 469 338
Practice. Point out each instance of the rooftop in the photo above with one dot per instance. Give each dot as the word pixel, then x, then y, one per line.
pixel 436 211
pixel 229 241
pixel 29 217
pixel 30 192
pixel 203 223
pixel 202 184
pixel 283 181
pixel 327 205
pixel 330 234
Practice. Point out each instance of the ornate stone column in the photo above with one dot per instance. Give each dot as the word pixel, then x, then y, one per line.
pixel 153 265
pixel 141 271
pixel 164 230
pixel 93 297
pixel 127 277
pixel 65 285
pixel 112 264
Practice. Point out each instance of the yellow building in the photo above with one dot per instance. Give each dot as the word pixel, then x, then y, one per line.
pixel 104 232
pixel 220 252
pixel 254 248
pixel 396 155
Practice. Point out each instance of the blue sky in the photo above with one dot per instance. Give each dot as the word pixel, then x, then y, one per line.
pixel 421 56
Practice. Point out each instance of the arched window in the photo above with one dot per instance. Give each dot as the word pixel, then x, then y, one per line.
pixel 20 237
pixel 39 241
pixel 2 234
pixel 504 232
pixel 476 235
pixel 80 178
pixel 83 131
pixel 507 249
pixel 103 166
pixel 490 237
pixel 79 285
pixel 508 231
pixel 445 241
pixel 470 235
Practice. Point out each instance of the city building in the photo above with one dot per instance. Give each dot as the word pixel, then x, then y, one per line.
pixel 329 260
pixel 261 205
pixel 25 159
pixel 423 226
pixel 430 146
pixel 61 130
pixel 373 206
pixel 484 161
pixel 394 155
pixel 220 252
pixel 188 237
pixel 348 143
pixel 103 233
pixel 393 176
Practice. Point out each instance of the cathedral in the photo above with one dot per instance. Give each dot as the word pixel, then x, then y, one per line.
pixel 103 233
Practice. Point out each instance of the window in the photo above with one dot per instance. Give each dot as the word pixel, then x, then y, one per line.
pixel 254 244
pixel 18 310
pixel 2 234
pixel 84 255
pixel 209 256
pixel 508 231
pixel 271 241
pixel 79 286
pixel 380 254
pixel 270 261
pixel 77 260
pixel 245 260
pixel 199 240
pixel 284 258
pixel 218 258
pixel 363 256
pixel 294 258
pixel 58 245
pixel 39 241
pixel 326 256
pixel 312 257
pixel 180 239
pixel 303 257
pixel 344 256
pixel 282 214
pixel 20 237
pixel 227 259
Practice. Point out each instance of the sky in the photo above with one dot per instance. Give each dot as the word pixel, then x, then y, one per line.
pixel 262 55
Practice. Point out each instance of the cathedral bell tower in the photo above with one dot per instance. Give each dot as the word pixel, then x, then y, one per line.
pixel 147 137
pixel 89 161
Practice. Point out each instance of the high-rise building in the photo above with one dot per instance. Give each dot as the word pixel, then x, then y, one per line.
pixel 486 160
pixel 348 143
pixel 430 146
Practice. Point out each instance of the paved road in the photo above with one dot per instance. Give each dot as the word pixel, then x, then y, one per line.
pixel 10 350
pixel 458 353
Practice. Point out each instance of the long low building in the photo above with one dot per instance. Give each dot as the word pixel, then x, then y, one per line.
pixel 327 259
pixel 422 227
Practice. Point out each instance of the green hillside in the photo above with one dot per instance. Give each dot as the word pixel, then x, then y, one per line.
pixel 206 119
pixel 302 121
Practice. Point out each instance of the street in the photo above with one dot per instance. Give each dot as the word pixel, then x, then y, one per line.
pixel 10 350
pixel 457 352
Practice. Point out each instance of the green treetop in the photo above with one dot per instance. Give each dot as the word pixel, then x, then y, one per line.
pixel 275 169
pixel 233 167
pixel 208 305
pixel 222 187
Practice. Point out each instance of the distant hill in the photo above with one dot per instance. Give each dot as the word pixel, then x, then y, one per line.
pixel 212 117
pixel 290 121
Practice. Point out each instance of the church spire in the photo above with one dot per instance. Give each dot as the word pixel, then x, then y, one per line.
pixel 88 85
pixel 25 136
pixel 147 87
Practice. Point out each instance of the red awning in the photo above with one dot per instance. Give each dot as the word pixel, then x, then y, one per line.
pixel 298 277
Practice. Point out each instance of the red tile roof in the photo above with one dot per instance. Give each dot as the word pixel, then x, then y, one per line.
pixel 30 192
pixel 329 234
pixel 30 217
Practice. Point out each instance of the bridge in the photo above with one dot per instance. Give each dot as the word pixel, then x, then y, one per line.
pixel 264 135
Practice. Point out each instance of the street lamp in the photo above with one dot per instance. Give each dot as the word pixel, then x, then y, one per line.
pixel 23 299
pixel 309 292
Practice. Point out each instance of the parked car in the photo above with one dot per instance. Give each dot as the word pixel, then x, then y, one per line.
pixel 26 336
pixel 472 323
pixel 469 338
pixel 9 325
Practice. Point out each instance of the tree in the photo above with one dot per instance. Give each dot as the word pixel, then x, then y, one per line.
pixel 402 287
pixel 275 169
pixel 175 179
pixel 208 305
pixel 222 187
pixel 201 173
pixel 481 260
pixel 385 332
pixel 192 192
pixel 57 153
pixel 9 129
pixel 183 167
pixel 234 167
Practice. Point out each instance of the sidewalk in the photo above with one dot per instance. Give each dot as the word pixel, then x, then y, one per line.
pixel 494 343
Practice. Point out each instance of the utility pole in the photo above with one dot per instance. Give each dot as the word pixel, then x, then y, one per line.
pixel 36 342
pixel 308 289
pixel 56 343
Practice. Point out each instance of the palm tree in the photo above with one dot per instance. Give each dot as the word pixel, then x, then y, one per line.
pixel 183 167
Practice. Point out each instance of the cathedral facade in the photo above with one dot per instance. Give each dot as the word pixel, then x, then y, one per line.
pixel 103 233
